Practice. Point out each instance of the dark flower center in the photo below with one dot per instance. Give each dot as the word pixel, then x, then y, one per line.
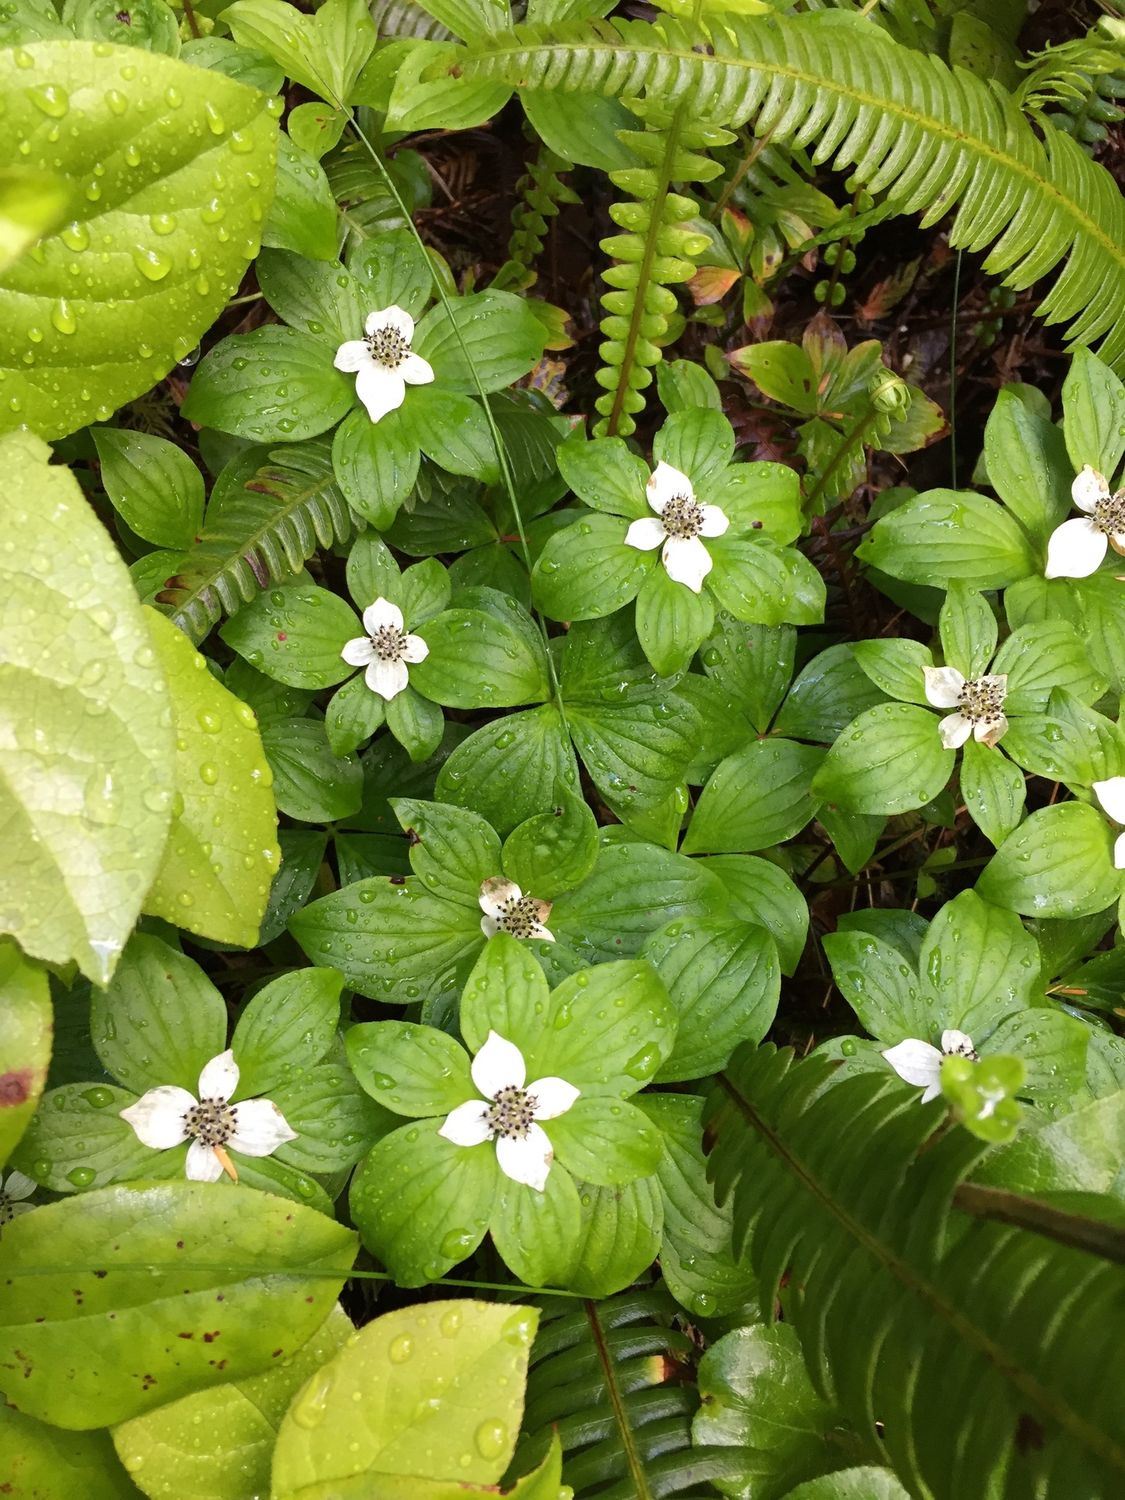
pixel 982 699
pixel 388 346
pixel 519 915
pixel 1109 514
pixel 7 1208
pixel 389 643
pixel 511 1113
pixel 212 1121
pixel 962 1049
pixel 682 516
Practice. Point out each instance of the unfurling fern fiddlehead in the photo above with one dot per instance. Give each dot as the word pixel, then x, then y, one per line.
pixel 541 192
pixel 655 252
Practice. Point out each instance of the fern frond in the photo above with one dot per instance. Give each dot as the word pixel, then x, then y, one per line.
pixel 980 1349
pixel 541 193
pixel 608 1376
pixel 259 534
pixel 929 137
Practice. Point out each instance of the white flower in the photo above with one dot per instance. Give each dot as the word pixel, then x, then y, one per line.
pixel 508 1112
pixel 507 909
pixel 167 1116
pixel 382 362
pixel 679 522
pixel 1111 795
pixel 13 1191
pixel 1077 547
pixel 385 649
pixel 919 1063
pixel 979 702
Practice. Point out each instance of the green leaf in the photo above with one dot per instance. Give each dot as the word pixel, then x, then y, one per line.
pixel 508 769
pixel 154 486
pixel 1093 414
pixel 619 1232
pixel 32 203
pixel 950 535
pixel 302 853
pixel 699 442
pixel 454 850
pixel 586 571
pixel 537 1233
pixel 880 986
pixel 553 851
pixel 968 631
pixel 46 1463
pixel 606 474
pixel 896 667
pixel 761 892
pixel 376 464
pixel 1083 1151
pixel 302 217
pixel 412 1070
pixel 890 761
pixel 423 1204
pixel 978 964
pixel 297 639
pixel 724 980
pixel 274 384
pixel 325 51
pixel 288 1025
pixel 310 783
pixel 92 1345
pixel 488 337
pixel 1052 1048
pixel 453 431
pixel 1028 465
pixel 160 1019
pixel 826 696
pixel 222 853
pixel 416 723
pixel 697 1259
pixel 852 1484
pixel 393 269
pixel 218 1444
pixel 352 716
pixel 25 1043
pixel 85 805
pixel 78 1140
pixel 636 753
pixel 604 1143
pixel 754 663
pixel 1058 863
pixel 479 661
pixel 334 1120
pixel 672 621
pixel 1042 656
pixel 758 797
pixel 993 789
pixel 178 246
pixel 765 583
pixel 758 1398
pixel 441 1388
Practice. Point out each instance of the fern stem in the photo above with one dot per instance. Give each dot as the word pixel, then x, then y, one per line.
pixel 1092 1235
pixel 616 1401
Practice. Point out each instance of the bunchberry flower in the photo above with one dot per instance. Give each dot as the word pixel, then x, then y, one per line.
pixel 168 1115
pixel 385 650
pixel 1077 547
pixel 1111 795
pixel 383 362
pixel 507 909
pixel 679 523
pixel 920 1063
pixel 508 1113
pixel 978 703
pixel 13 1190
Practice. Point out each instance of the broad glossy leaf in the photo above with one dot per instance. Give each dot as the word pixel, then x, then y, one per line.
pixel 273 384
pixel 218 1444
pixel 42 1462
pixel 1056 864
pixel 586 570
pixel 1052 1048
pixel 490 337
pixel 25 1042
pixel 978 964
pixel 555 850
pixel 376 464
pixel 78 1140
pixel 295 634
pixel 950 534
pixel 90 1344
pixel 287 1026
pixel 1093 414
pixel 416 1071
pixel 762 892
pixel 85 799
pixel 311 784
pixel 889 760
pixel 324 51
pixel 756 798
pixel 477 661
pixel 672 621
pixel 826 696
pixel 170 175
pixel 222 853
pixel 153 484
pixel 1028 465
pixel 537 1233
pixel 455 850
pixel 303 214
pixel 994 790
pixel 852 1484
pixel 619 1235
pixel 881 987
pixel 433 1391
pixel 31 204
pixel 508 769
pixel 636 752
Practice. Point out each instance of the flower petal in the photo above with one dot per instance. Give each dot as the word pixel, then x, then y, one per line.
pixel 467 1125
pixel 381 390
pixel 387 678
pixel 1088 488
pixel 260 1128
pixel 955 729
pixel 158 1116
pixel 664 484
pixel 219 1078
pixel 916 1061
pixel 18 1186
pixel 1119 852
pixel 543 934
pixel 392 317
pixel 931 1091
pixel 645 535
pixel 498 1065
pixel 489 926
pixel 352 356
pixel 991 734
pixel 20 1208
pixel 957 1043
pixel 358 652
pixel 379 615
pixel 687 561
pixel 944 686
pixel 1075 550
pixel 527 1160
pixel 202 1164
pixel 494 892
pixel 415 370
pixel 414 649
pixel 553 1097
pixel 715 521
pixel 1111 795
